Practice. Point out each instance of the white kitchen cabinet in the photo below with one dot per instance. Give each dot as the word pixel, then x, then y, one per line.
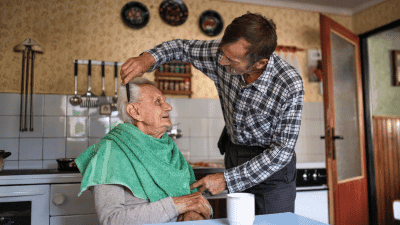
pixel 90 219
pixel 313 204
pixel 67 208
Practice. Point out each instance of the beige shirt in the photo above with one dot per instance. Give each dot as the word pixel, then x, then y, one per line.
pixel 115 204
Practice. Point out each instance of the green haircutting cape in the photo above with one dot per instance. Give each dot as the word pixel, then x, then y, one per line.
pixel 151 168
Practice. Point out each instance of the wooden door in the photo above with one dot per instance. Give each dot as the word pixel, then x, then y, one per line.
pixel 344 124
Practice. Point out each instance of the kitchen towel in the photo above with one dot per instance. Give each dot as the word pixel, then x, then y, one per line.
pixel 151 168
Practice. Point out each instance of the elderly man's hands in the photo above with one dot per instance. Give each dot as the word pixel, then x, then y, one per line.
pixel 189 216
pixel 136 67
pixel 213 183
pixel 194 202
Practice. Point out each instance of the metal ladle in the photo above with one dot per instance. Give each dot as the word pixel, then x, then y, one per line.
pixel 115 98
pixel 76 100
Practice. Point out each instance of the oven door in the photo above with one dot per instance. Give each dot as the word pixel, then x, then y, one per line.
pixel 26 204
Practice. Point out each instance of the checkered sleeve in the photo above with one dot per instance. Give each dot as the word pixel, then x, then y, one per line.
pixel 281 148
pixel 201 54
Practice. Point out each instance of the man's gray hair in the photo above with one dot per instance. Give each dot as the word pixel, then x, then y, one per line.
pixel 134 88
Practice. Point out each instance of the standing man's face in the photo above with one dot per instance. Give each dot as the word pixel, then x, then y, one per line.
pixel 234 58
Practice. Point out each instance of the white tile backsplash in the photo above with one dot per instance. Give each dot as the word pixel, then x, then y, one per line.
pixel 10 145
pixel 93 141
pixel 199 127
pixel 183 144
pixel 99 126
pixel 215 127
pixel 10 104
pixel 55 105
pixel 214 109
pixel 54 126
pixel 9 126
pixel 62 130
pixel 198 108
pixel 50 164
pixel 180 107
pixel 30 164
pixel 213 150
pixel 11 164
pixel 31 149
pixel 198 148
pixel 75 146
pixel 53 148
pixel 77 126
pixel 184 125
pixel 37 128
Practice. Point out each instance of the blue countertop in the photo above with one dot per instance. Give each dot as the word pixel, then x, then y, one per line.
pixel 272 219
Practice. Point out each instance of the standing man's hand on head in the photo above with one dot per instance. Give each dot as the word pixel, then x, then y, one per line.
pixel 213 183
pixel 136 67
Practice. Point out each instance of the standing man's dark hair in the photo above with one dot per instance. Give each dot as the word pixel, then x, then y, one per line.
pixel 259 31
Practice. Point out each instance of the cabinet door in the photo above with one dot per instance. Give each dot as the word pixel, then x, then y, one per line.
pixel 64 200
pixel 90 219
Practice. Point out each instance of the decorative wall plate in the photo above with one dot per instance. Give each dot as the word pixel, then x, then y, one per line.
pixel 135 15
pixel 173 12
pixel 211 23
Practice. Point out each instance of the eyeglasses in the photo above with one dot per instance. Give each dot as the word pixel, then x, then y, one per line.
pixel 128 94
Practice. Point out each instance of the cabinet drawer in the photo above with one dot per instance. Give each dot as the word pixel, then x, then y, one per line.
pixel 64 200
pixel 90 219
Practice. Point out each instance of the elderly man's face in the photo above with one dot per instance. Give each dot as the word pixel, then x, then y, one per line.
pixel 153 111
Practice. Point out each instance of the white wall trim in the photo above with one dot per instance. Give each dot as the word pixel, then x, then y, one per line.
pixel 367 5
pixel 310 7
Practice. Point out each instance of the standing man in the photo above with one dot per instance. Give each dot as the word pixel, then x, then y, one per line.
pixel 261 98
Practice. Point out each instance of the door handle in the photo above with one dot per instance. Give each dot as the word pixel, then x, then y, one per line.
pixel 334 137
pixel 332 149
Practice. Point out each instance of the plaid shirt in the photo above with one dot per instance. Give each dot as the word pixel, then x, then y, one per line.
pixel 266 112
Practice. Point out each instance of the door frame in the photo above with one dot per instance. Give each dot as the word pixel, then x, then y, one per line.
pixel 334 185
pixel 369 141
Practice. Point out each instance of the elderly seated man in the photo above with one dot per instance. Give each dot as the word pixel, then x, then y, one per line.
pixel 136 172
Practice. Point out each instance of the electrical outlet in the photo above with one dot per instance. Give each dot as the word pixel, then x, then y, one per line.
pixel 105 109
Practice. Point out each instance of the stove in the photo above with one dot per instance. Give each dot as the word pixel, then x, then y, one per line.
pixel 311 177
pixel 312 194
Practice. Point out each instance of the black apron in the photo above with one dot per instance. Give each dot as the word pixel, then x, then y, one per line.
pixel 277 193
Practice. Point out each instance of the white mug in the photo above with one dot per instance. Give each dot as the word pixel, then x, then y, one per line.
pixel 240 208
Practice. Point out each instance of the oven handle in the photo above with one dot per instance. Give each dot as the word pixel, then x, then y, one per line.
pixel 27 192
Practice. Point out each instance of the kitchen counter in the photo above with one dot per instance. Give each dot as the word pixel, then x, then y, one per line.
pixel 19 177
pixel 43 176
pixel 272 219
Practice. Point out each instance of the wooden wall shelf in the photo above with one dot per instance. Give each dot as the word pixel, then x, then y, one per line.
pixel 179 82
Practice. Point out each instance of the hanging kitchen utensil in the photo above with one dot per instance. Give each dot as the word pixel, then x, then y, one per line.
pixel 102 97
pixel 31 100
pixel 26 88
pixel 89 99
pixel 21 109
pixel 76 100
pixel 115 98
pixel 28 48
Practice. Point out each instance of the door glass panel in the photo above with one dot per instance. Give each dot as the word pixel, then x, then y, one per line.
pixel 348 155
